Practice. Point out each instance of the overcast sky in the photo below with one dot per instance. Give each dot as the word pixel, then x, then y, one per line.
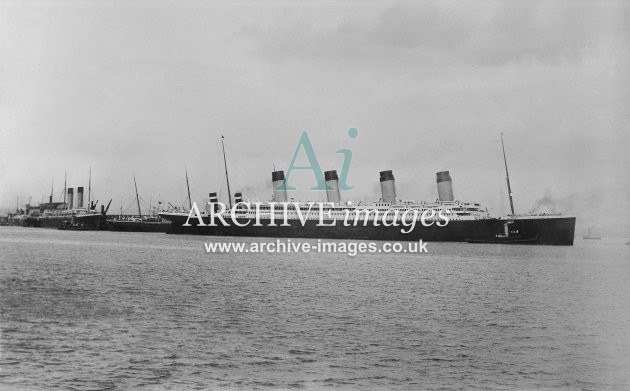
pixel 150 87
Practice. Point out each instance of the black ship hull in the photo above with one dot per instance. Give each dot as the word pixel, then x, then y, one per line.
pixel 529 230
pixel 86 221
pixel 138 226
pixel 26 222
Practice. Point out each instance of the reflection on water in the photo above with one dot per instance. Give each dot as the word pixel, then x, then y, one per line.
pixel 107 310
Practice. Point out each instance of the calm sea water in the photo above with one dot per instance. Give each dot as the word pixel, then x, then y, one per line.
pixel 106 310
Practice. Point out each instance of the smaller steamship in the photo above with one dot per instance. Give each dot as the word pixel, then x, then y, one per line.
pixel 65 214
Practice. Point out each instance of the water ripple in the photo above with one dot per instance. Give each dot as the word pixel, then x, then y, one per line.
pixel 106 311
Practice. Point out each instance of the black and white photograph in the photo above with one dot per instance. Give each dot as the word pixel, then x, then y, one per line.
pixel 314 195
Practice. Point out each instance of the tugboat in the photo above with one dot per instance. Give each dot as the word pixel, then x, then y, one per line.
pixel 590 236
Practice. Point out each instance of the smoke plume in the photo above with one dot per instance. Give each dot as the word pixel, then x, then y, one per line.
pixel 550 204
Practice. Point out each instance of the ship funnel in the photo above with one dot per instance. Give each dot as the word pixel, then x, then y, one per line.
pixel 79 197
pixel 214 201
pixel 70 198
pixel 388 186
pixel 238 197
pixel 332 180
pixel 279 186
pixel 445 186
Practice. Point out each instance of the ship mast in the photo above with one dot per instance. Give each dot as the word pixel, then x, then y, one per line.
pixel 90 191
pixel 188 187
pixel 137 198
pixel 507 176
pixel 227 178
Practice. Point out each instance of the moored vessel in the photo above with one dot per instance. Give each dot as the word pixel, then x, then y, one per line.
pixel 71 213
pixel 56 214
pixel 137 223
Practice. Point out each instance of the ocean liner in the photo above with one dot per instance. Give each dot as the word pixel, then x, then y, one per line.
pixel 445 219
pixel 65 215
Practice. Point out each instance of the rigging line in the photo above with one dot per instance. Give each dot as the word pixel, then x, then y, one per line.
pixel 507 176
pixel 227 179
pixel 188 187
